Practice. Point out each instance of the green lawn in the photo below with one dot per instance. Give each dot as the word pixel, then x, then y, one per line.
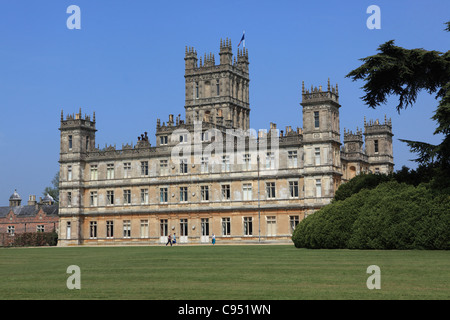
pixel 249 272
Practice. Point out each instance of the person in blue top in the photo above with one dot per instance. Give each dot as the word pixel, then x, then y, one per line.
pixel 213 239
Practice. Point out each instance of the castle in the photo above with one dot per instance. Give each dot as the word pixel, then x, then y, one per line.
pixel 211 173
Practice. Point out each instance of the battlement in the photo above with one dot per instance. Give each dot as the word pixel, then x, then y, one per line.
pixel 350 136
pixel 77 120
pixel 374 127
pixel 195 63
pixel 318 95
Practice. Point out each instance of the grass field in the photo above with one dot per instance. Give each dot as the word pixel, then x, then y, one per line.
pixel 249 272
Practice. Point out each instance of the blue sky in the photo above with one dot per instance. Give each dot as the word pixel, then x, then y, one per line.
pixel 126 63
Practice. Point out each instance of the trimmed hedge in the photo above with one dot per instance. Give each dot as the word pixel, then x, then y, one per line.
pixel 390 216
pixel 33 239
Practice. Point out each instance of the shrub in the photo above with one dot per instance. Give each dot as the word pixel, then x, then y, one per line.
pixel 33 239
pixel 390 216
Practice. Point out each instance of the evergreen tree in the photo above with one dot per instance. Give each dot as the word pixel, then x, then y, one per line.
pixel 404 73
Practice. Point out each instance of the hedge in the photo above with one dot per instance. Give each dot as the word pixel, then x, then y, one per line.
pixel 390 216
pixel 32 239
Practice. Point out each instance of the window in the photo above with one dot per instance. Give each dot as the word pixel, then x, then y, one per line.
pixel 316 119
pixel 204 191
pixel 69 173
pixel 226 226
pixel 247 165
pixel 271 225
pixel 10 230
pixel 183 194
pixel 93 198
pixel 217 87
pixel 163 167
pixel 163 228
pixel 205 226
pixel 204 166
pixel 270 160
pixel 109 229
pixel 144 229
pixel 93 230
pixel 144 168
pixel 110 171
pixel 163 195
pixel 127 169
pixel 69 199
pixel 68 229
pixel 127 196
pixel 292 159
pixel 183 138
pixel 247 191
pixel 375 143
pixel 183 227
pixel 270 190
pixel 225 163
pixel 126 228
pixel 293 221
pixel 248 226
pixel 204 136
pixel 226 192
pixel 109 197
pixel 40 228
pixel 183 166
pixel 144 196
pixel 70 142
pixel 196 90
pixel 317 156
pixel 163 140
pixel 94 172
pixel 318 188
pixel 87 143
pixel 293 189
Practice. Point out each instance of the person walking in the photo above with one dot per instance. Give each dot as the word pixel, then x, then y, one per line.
pixel 213 239
pixel 174 240
pixel 169 240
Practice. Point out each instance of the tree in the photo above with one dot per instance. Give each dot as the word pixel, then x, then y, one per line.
pixel 405 72
pixel 54 190
pixel 359 182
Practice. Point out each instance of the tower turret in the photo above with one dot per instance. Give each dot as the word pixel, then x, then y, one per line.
pixel 218 93
pixel 225 53
pixel 321 140
pixel 190 58
pixel 378 139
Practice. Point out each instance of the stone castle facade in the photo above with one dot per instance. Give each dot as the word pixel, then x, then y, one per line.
pixel 211 173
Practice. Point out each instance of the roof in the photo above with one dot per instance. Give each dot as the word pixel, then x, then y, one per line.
pixel 15 196
pixel 30 211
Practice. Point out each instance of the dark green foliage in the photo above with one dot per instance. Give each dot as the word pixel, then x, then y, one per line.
pixel 391 216
pixel 404 73
pixel 359 182
pixel 33 239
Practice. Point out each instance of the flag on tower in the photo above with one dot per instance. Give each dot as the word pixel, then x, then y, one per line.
pixel 242 40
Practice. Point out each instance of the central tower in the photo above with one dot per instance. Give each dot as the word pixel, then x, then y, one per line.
pixel 218 94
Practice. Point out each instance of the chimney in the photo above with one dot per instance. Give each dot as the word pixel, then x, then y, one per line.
pixel 32 200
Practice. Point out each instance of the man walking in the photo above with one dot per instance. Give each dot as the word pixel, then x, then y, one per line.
pixel 169 240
